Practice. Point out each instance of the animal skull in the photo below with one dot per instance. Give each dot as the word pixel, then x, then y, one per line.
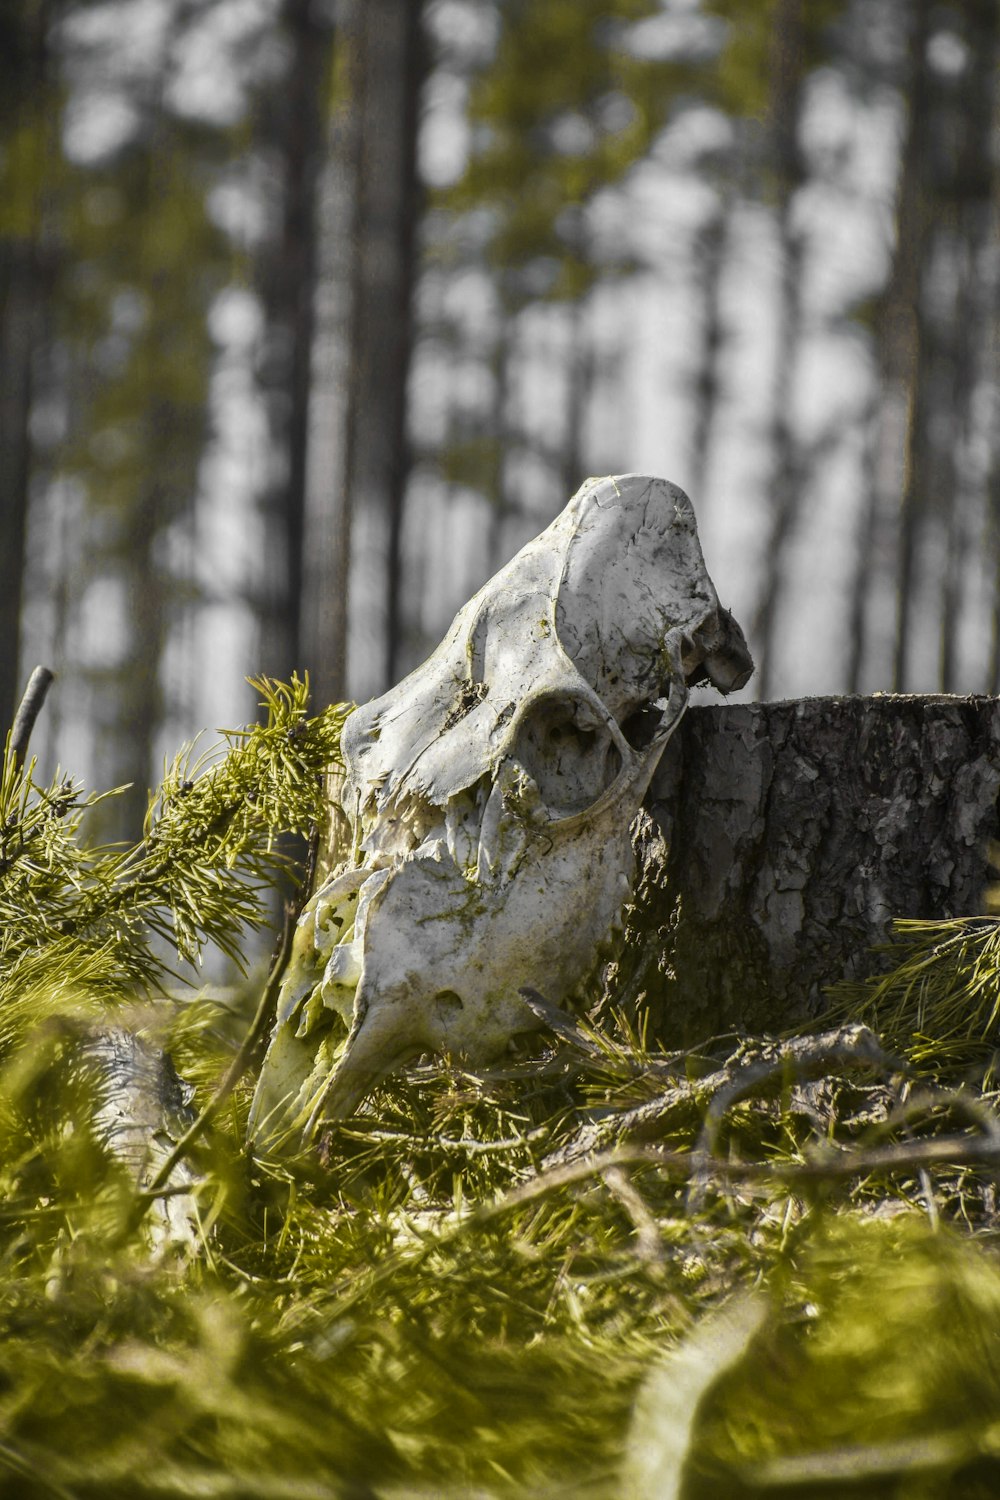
pixel 489 796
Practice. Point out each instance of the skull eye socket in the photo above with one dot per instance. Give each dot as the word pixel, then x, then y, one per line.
pixel 571 758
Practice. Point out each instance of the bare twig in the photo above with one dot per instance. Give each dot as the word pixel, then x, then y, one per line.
pixel 801 1058
pixel 798 1059
pixel 823 1165
pixel 568 1029
pixel 854 1465
pixel 560 1024
pixel 30 707
pixel 715 1093
pixel 828 1164
pixel 247 1054
pixel 648 1245
pixel 293 911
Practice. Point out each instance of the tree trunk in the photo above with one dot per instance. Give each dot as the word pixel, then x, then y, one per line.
pixel 290 282
pixel 787 479
pixel 711 258
pixel 970 219
pixel 390 67
pixel 885 525
pixel 23 141
pixel 17 343
pixel 911 352
pixel 780 841
pixel 326 562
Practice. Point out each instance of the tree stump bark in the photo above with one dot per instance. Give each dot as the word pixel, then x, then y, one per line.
pixel 779 842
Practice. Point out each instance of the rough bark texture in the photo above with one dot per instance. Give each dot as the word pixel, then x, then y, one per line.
pixel 780 841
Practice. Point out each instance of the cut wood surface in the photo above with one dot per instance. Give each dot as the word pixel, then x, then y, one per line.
pixel 780 840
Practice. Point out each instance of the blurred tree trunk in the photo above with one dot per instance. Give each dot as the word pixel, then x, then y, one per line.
pixel 162 394
pixel 971 224
pixel 867 528
pixel 23 139
pixel 909 356
pixel 891 433
pixel 18 319
pixel 787 70
pixel 779 842
pixel 991 361
pixel 323 619
pixel 138 694
pixel 502 364
pixel 712 248
pixel 387 39
pixel 134 710
pixel 991 529
pixel 298 131
pixel 579 386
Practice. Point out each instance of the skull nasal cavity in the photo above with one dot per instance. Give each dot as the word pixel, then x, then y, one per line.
pixel 571 763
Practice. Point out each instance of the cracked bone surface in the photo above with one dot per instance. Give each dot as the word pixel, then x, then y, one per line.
pixel 490 795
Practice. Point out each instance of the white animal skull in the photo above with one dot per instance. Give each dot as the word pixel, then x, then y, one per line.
pixel 490 795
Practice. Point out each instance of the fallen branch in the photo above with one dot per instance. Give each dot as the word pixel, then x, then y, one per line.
pixel 798 1060
pixel 793 1061
pixel 828 1164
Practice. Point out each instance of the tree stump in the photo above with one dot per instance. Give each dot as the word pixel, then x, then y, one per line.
pixel 779 842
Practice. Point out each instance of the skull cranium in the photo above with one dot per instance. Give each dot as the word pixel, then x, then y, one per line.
pixel 490 795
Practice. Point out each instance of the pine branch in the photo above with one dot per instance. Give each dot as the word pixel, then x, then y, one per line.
pixel 209 854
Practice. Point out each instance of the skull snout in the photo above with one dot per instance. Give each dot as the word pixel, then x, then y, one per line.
pixel 718 654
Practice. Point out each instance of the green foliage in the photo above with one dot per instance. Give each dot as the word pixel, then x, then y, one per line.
pixel 742 80
pixel 567 107
pixel 940 1000
pixel 77 917
pixel 563 110
pixel 882 1374
pixel 146 262
pixel 470 1288
pixel 111 258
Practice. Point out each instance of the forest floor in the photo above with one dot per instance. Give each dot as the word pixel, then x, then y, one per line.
pixel 753 1268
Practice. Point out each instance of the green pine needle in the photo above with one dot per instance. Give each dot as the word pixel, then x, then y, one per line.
pixel 432 1305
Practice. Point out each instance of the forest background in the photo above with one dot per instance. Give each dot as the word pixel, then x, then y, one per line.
pixel 313 311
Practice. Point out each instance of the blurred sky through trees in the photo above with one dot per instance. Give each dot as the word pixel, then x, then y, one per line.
pixel 313 311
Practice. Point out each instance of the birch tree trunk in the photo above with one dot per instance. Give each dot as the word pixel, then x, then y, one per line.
pixel 779 842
